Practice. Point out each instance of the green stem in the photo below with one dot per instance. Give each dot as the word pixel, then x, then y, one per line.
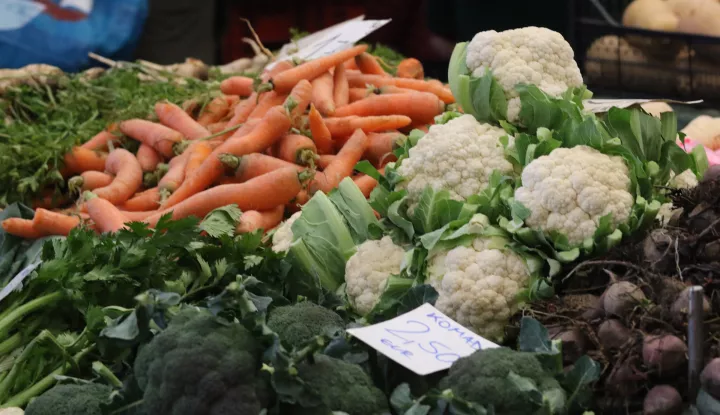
pixel 12 343
pixel 7 323
pixel 104 372
pixel 22 398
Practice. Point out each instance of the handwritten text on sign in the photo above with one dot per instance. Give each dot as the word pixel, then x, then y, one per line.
pixel 423 340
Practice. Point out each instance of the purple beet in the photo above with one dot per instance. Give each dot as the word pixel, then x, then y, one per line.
pixel 574 343
pixel 613 334
pixel 710 378
pixel 664 353
pixel 663 400
pixel 621 297
pixel 681 306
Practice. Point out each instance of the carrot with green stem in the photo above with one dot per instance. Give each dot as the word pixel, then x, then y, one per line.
pixel 273 125
pixel 320 133
pixel 368 64
pixel 107 217
pixel 261 193
pixel 341 89
pixel 296 148
pixel 128 177
pixel 362 80
pixel 81 159
pixel 253 165
pixel 172 116
pixel 147 157
pixel 237 85
pixel 381 146
pixel 22 228
pixel 266 101
pixel 217 127
pixel 421 107
pixel 410 68
pixel 343 164
pixel 253 220
pixel 279 67
pixel 299 99
pixel 285 81
pixel 214 111
pixel 196 156
pixel 350 65
pixel 323 94
pixel 356 94
pixel 174 177
pixel 145 200
pixel 157 136
pixel 89 180
pixel 392 89
pixel 344 126
pixel 138 216
pixel 53 223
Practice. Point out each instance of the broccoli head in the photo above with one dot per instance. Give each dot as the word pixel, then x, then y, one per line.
pixel 297 324
pixel 71 399
pixel 201 365
pixel 483 378
pixel 340 386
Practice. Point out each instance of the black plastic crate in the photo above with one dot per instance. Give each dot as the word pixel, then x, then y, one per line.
pixel 621 61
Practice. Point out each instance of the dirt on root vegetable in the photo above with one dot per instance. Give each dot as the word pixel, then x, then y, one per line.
pixel 628 310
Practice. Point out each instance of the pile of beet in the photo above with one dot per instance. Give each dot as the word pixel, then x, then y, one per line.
pixel 629 309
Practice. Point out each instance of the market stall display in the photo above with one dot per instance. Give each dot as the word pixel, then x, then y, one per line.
pixel 307 240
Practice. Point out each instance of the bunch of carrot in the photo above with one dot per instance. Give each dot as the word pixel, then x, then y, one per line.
pixel 265 147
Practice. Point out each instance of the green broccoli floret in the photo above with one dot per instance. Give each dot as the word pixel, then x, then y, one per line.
pixel 483 378
pixel 201 365
pixel 297 324
pixel 341 386
pixel 70 399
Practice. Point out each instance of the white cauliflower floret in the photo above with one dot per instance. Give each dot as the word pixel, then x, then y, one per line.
pixel 368 270
pixel 478 285
pixel 684 180
pixel 283 236
pixel 458 156
pixel 570 189
pixel 531 55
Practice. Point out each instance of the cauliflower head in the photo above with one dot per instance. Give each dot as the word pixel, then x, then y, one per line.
pixel 530 55
pixel 283 236
pixel 458 156
pixel 368 270
pixel 684 180
pixel 478 284
pixel 570 189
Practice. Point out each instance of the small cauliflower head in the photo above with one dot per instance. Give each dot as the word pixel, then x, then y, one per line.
pixel 478 284
pixel 530 55
pixel 569 190
pixel 684 180
pixel 283 236
pixel 458 156
pixel 368 270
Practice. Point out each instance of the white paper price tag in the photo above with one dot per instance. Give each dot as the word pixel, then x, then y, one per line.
pixel 603 105
pixel 15 284
pixel 423 340
pixel 330 40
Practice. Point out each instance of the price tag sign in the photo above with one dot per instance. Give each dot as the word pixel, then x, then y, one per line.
pixel 423 340
pixel 603 105
pixel 330 40
pixel 15 284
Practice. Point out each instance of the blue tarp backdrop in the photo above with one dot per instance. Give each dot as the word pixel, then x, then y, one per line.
pixel 62 32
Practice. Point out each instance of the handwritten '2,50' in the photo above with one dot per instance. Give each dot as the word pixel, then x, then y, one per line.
pixel 438 350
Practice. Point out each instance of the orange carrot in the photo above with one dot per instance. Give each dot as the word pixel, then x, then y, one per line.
pixel 237 85
pixel 100 141
pixel 356 94
pixel 279 67
pixel 215 128
pixel 261 193
pixel 157 136
pixel 246 128
pixel 366 183
pixel 320 133
pixel 175 174
pixel 267 100
pixel 22 228
pixel 53 223
pixel 90 180
pixel 253 165
pixel 419 106
pixel 241 113
pixel 343 164
pixel 106 216
pixel 295 148
pixel 273 125
pixel 81 159
pixel 410 68
pixel 368 64
pixel 322 94
pixel 285 81
pixel 252 220
pixel 191 107
pixel 214 111
pixel 351 65
pixel 172 116
pixel 147 200
pixel 381 146
pixel 138 216
pixel 341 89
pixel 299 98
pixel 344 126
pixel 392 89
pixel 323 161
pixel 128 177
pixel 362 80
pixel 196 157
pixel 147 157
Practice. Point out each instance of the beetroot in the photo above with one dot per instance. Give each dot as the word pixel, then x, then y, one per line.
pixel 613 334
pixel 710 378
pixel 574 343
pixel 681 306
pixel 663 400
pixel 621 298
pixel 664 353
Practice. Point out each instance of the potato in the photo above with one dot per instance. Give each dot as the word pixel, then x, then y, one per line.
pixel 651 15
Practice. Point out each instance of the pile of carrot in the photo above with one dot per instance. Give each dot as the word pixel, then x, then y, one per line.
pixel 266 147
